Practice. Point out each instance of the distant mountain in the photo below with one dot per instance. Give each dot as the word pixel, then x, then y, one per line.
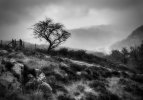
pixel 134 39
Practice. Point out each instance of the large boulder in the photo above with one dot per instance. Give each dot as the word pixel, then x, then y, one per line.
pixel 9 81
pixel 15 74
pixel 14 67
pixel 38 82
pixel 17 70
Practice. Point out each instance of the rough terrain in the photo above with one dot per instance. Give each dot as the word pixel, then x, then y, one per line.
pixel 36 76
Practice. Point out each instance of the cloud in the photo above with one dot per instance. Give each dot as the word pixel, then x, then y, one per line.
pixel 114 19
pixel 94 38
pixel 13 10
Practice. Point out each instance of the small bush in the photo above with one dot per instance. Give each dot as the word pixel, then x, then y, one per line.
pixel 65 97
pixel 80 88
pixel 108 96
pixel 48 70
pixel 89 96
pixel 138 78
pixel 98 85
pixel 76 67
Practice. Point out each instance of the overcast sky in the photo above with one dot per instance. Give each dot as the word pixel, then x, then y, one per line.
pixel 94 24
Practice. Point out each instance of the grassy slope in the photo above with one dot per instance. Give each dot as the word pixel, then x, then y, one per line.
pixel 77 80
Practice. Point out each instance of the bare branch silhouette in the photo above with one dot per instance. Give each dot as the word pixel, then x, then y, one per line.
pixel 53 33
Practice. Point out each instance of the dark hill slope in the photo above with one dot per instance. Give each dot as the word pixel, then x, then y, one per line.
pixel 36 76
pixel 134 39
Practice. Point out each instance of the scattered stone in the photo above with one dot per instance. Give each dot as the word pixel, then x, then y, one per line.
pixel 41 77
pixel 12 60
pixel 78 73
pixel 3 52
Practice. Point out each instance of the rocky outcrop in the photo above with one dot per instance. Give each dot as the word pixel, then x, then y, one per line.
pixel 9 81
pixel 65 80
pixel 17 76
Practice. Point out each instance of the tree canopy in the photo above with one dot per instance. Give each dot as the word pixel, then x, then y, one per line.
pixel 53 33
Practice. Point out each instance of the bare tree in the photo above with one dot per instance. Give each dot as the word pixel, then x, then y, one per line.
pixel 53 33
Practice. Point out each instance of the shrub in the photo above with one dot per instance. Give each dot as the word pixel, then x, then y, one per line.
pixel 48 70
pixel 76 67
pixel 108 96
pixel 98 85
pixel 89 96
pixel 65 97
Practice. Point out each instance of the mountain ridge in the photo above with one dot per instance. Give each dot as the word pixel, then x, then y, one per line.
pixel 133 40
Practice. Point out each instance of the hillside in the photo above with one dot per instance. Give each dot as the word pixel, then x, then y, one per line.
pixel 45 46
pixel 25 75
pixel 27 44
pixel 134 39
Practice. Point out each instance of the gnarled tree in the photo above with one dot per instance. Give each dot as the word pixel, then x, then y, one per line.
pixel 53 33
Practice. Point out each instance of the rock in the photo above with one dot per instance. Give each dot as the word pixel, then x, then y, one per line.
pixel 38 84
pixel 63 65
pixel 47 57
pixel 3 52
pixel 17 70
pixel 12 54
pixel 12 60
pixel 37 81
pixel 45 87
pixel 78 73
pixel 82 73
pixel 20 55
pixel 18 74
pixel 41 77
pixel 9 81
pixel 30 76
pixel 14 67
pixel 8 76
pixel 65 75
